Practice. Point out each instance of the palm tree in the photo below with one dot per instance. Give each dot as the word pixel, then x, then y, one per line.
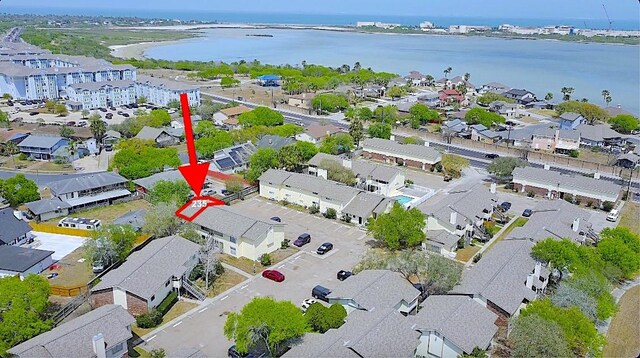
pixel 548 97
pixel 608 100
pixel 357 66
pixel 462 88
pixel 606 95
pixel 447 71
pixel 85 114
pixel 98 127
pixel 567 91
pixel 584 100
pixel 12 149
pixel 429 80
pixel 260 334
pixel 467 76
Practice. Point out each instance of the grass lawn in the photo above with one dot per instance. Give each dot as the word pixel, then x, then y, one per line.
pixel 622 336
pixel 629 217
pixel 108 213
pixel 280 254
pixel 52 167
pixel 178 309
pixel 595 157
pixel 138 352
pixel 467 253
pixel 227 280
pixel 71 273
pixel 518 223
pixel 545 112
pixel 242 263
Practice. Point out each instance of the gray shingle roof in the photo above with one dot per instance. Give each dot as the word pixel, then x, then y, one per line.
pixel 164 83
pixel 375 171
pixel 12 227
pixel 20 259
pixel 134 218
pixel 229 221
pixel 553 219
pixel 442 238
pixel 148 182
pixel 378 289
pixel 570 116
pixel 459 319
pixel 501 274
pixel 551 132
pixel 40 141
pixel 470 204
pixel 86 182
pixel 597 133
pixel 74 338
pixel 567 183
pixel 419 152
pixel 150 133
pixel 327 189
pixel 274 141
pixel 318 158
pixel 47 206
pixel 145 271
pixel 366 203
pixel 274 177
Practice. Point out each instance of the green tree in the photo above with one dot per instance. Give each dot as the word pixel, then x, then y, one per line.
pixel 606 96
pixel 365 114
pixel 207 111
pixel 50 105
pixel 396 92
pixel 329 102
pixel 85 113
pixel 174 103
pixel 158 118
pixel 265 322
pixel 139 158
pixel 286 130
pixel 141 100
pixel 548 96
pixel 535 337
pixel 356 130
pixel 307 150
pixel 98 128
pixel 209 144
pixel 205 129
pixel 234 184
pixel 228 82
pixel 589 111
pixel 23 309
pixel 66 132
pixel 624 123
pixel 290 157
pixel 61 109
pixel 421 114
pixel 336 172
pixel 566 92
pixel 4 119
pixel 411 140
pixel 261 116
pixel 620 248
pixel 399 228
pixel 19 190
pixel 337 144
pixel 262 160
pixel 122 237
pixel 386 114
pixel 322 319
pixel 489 97
pixel 165 191
pixel 454 164
pixel 161 220
pixel 380 130
pixel 503 167
pixel 484 117
pixel 7 96
pixel 447 71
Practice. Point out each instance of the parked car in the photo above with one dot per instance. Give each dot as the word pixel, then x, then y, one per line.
pixel 320 293
pixel 613 215
pixel 505 206
pixel 527 212
pixel 108 116
pixel 273 275
pixel 112 108
pixel 101 109
pixel 82 123
pixel 447 177
pixel 207 191
pixel 324 248
pixel 52 275
pixel 302 240
pixel 343 275
pixel 34 113
pixel 491 156
pixel 71 123
pixel 126 115
pixel 277 219
pixel 108 147
pixel 306 303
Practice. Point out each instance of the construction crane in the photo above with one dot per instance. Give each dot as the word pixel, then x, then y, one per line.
pixel 608 18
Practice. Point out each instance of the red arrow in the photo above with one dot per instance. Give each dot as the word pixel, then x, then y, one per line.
pixel 193 172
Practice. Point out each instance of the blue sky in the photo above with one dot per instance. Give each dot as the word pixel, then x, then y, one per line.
pixel 537 9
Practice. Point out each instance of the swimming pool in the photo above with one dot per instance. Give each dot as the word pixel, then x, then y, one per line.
pixel 403 199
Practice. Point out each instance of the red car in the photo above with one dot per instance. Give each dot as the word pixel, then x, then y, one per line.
pixel 273 275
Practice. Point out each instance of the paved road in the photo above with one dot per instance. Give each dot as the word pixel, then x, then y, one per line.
pixel 40 179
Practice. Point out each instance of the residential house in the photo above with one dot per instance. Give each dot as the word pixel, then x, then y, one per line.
pixel 429 98
pixel 371 91
pixel 103 332
pixel 555 140
pixel 14 231
pixel 453 83
pixel 628 160
pixel 507 110
pixel 147 276
pixel 376 289
pixel 302 100
pixel 111 137
pixel 454 127
pixel 494 87
pixel 42 147
pixel 410 155
pixel 442 242
pixel 554 185
pixel 372 177
pixel 236 234
pixel 233 159
pixel 22 261
pixel 505 279
pixel 462 213
pixel 90 190
pixel 315 132
pixel 144 185
pixel 599 135
pixel 404 107
pixel 229 116
pixel 308 190
pixel 134 218
pixel 453 326
pixel 398 82
pixel 481 133
pixel 274 142
pixel 416 78
pixel 160 136
pixel 570 120
pixel 556 219
pixel 449 96
pixel 521 96
pixel 47 209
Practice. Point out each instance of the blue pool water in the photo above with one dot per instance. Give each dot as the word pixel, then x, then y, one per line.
pixel 403 199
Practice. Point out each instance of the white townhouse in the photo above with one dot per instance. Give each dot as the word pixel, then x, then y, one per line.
pixel 160 91
pixel 93 95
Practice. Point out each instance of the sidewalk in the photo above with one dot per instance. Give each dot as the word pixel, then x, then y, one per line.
pixel 618 292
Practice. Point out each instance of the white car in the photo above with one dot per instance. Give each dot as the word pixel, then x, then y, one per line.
pixel 306 303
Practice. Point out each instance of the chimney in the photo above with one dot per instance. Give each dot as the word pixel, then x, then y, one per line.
pixel 322 173
pixel 537 269
pixel 347 163
pixel 426 144
pixel 576 225
pixel 392 137
pixel 453 218
pixel 270 141
pixel 493 188
pixel 547 167
pixel 99 346
pixel 530 281
pixel 596 175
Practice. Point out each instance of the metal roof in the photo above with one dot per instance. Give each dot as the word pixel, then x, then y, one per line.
pixel 41 141
pixel 86 182
pixel 412 151
pixel 44 206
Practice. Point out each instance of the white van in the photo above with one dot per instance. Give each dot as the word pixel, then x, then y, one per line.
pixel 613 215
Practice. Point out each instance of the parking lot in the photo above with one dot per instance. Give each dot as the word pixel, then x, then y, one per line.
pixel 203 327
pixel 21 113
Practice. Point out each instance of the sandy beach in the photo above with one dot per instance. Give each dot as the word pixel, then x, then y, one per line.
pixel 136 50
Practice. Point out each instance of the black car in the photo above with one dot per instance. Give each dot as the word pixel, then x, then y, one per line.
pixel 302 240
pixel 126 115
pixel 505 206
pixel 102 109
pixel 320 293
pixel 343 275
pixel 491 156
pixel 324 248
pixel 34 113
pixel 108 115
pixel 108 147
pixel 275 218
pixel 527 212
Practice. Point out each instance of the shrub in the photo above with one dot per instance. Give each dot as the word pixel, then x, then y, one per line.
pixel 314 209
pixel 408 182
pixel 150 319
pixel 568 198
pixel 531 194
pixel 168 302
pixel 438 167
pixel 284 202
pixel 346 218
pixel 265 260
pixel 285 244
pixel 607 206
pixel 22 156
pixel 477 258
pixel 574 153
pixel 330 213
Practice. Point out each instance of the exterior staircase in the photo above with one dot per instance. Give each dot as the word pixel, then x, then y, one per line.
pixel 193 289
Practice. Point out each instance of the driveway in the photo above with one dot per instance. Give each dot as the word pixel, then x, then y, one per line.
pixel 202 328
pixel 62 245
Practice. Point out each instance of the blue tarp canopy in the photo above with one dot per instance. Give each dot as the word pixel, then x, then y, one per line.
pixel 269 78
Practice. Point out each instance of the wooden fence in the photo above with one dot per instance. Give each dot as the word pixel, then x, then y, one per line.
pixel 51 229
pixel 68 291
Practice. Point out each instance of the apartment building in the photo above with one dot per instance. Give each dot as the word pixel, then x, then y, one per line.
pixel 91 95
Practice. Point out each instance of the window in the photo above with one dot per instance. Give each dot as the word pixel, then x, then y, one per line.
pixel 117 348
pixel 232 250
pixel 167 284
pixel 153 297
